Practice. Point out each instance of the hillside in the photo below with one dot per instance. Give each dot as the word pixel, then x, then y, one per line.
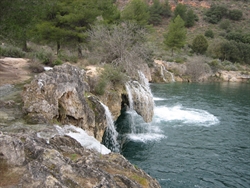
pixel 63 34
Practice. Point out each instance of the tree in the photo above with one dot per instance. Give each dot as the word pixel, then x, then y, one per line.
pixel 200 44
pixel 155 13
pixel 190 18
pixel 137 11
pixel 166 9
pixel 176 35
pixel 18 17
pixel 67 21
pixel 122 45
pixel 180 10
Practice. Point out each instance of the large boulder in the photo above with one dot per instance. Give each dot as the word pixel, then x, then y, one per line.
pixel 62 95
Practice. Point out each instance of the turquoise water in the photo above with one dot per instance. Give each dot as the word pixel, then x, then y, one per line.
pixel 199 136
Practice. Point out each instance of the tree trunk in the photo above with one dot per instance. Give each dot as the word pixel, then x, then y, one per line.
pixel 58 47
pixel 79 49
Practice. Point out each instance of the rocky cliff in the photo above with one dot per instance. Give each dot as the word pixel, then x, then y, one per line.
pixel 27 160
pixel 62 95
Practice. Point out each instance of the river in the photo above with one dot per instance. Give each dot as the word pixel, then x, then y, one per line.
pixel 199 136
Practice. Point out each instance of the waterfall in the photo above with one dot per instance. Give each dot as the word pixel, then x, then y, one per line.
pixel 163 71
pixel 110 137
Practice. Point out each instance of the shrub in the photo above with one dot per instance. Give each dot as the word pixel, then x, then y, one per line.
pixel 238 37
pixel 235 52
pixel 46 57
pixel 10 51
pixel 235 14
pixel 196 68
pixel 110 75
pixel 200 44
pixel 225 24
pixel 209 33
pixel 190 18
pixel 215 14
pixel 57 62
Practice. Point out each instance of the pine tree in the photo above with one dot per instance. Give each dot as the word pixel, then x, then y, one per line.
pixel 67 21
pixel 176 35
pixel 137 11
pixel 155 13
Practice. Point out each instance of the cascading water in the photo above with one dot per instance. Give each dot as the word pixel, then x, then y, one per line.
pixel 132 124
pixel 110 137
pixel 163 71
pixel 140 97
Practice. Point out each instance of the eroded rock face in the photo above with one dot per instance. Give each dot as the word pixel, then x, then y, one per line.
pixel 65 163
pixel 61 95
pixel 233 76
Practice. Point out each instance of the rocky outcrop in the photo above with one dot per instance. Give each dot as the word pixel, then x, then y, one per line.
pixel 62 95
pixel 29 161
pixel 232 76
pixel 112 95
pixel 140 98
pixel 165 72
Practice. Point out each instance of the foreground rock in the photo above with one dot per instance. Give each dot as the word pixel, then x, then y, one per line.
pixel 29 161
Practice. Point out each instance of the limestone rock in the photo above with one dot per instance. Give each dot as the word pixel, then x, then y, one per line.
pixel 61 95
pixel 233 76
pixel 65 163
pixel 12 150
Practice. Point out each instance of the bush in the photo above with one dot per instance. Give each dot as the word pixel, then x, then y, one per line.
pixel 238 37
pixel 110 75
pixel 10 51
pixel 235 52
pixel 57 62
pixel 196 68
pixel 235 14
pixel 200 44
pixel 209 33
pixel 225 24
pixel 45 57
pixel 215 14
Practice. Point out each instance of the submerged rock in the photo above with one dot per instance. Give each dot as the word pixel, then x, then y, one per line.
pixel 64 163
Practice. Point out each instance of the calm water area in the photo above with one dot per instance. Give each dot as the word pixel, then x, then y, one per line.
pixel 199 136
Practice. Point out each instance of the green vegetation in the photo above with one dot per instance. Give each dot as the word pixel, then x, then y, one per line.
pixel 101 32
pixel 137 11
pixel 200 44
pixel 176 36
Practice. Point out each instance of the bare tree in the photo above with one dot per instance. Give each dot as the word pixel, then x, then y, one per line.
pixel 197 69
pixel 122 45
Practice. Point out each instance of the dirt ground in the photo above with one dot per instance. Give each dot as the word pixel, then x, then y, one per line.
pixel 14 70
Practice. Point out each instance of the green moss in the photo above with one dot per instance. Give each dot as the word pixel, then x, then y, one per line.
pixel 141 180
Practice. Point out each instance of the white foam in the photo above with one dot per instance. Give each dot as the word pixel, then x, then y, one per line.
pixel 144 137
pixel 83 138
pixel 159 99
pixel 186 115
